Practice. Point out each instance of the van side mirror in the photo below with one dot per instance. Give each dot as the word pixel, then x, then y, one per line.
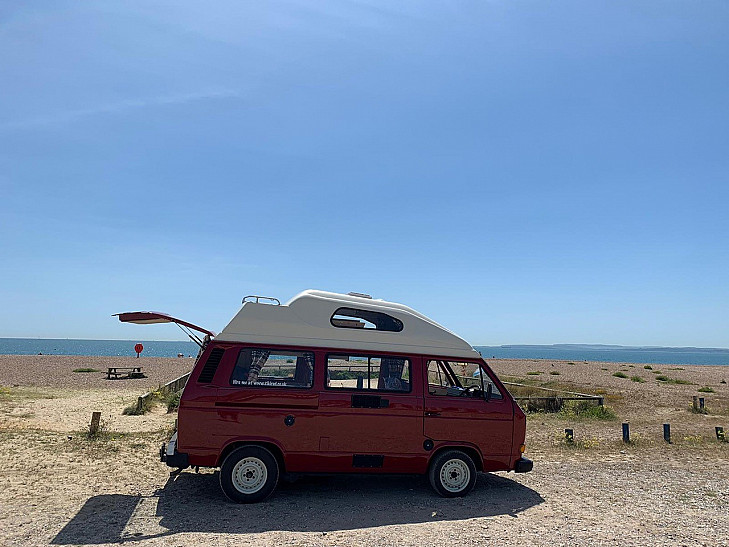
pixel 489 391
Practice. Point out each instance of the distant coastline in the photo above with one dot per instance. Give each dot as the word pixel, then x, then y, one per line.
pixel 602 347
pixel 610 353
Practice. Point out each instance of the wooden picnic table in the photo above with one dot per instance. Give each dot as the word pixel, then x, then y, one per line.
pixel 128 372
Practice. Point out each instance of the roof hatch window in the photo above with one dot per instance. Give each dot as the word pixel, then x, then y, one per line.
pixel 351 318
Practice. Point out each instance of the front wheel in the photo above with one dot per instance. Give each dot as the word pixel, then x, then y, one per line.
pixel 452 474
pixel 249 474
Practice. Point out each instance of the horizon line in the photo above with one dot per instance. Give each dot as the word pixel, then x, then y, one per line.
pixel 473 345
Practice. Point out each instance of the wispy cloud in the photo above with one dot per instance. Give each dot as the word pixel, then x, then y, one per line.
pixel 120 106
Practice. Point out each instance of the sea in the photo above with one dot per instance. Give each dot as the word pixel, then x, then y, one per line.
pixel 568 352
pixel 113 348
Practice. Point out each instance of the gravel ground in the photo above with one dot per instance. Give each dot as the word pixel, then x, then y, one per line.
pixel 58 488
pixel 57 371
pixel 597 374
pixel 645 405
pixel 113 492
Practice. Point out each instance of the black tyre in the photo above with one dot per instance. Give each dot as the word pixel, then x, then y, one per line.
pixel 452 474
pixel 249 474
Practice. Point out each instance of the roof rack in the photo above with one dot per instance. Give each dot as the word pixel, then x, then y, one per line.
pixel 360 295
pixel 269 300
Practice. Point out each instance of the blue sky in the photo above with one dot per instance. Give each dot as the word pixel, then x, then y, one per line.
pixel 522 172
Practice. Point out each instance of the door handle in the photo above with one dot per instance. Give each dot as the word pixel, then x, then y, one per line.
pixel 431 413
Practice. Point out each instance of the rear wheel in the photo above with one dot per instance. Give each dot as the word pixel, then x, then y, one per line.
pixel 249 474
pixel 452 474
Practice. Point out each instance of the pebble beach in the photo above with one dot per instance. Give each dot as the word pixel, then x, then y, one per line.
pixel 60 488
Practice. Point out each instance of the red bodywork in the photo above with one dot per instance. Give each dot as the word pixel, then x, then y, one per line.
pixel 327 431
pixel 147 317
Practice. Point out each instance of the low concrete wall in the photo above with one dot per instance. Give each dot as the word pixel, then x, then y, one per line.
pixel 175 385
pixel 170 387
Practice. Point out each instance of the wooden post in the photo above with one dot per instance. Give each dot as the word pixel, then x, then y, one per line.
pixel 720 433
pixel 94 426
pixel 696 402
pixel 626 433
pixel 569 435
pixel 667 433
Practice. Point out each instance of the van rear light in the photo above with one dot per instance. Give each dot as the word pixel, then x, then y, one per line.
pixel 211 365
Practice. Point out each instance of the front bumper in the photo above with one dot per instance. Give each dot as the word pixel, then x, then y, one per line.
pixel 523 465
pixel 168 454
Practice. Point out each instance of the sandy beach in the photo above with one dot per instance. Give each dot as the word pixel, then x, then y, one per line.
pixel 60 488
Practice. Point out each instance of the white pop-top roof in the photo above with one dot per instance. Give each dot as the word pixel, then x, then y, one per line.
pixel 306 321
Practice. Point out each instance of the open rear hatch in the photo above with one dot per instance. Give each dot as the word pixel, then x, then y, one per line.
pixel 149 317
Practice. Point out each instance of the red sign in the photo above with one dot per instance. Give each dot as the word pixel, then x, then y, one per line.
pixel 138 348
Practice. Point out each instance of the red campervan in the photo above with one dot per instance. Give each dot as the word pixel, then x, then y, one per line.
pixel 334 383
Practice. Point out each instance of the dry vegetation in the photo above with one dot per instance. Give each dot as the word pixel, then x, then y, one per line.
pixel 645 405
pixel 62 488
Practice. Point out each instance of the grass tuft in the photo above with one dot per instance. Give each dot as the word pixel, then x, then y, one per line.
pixel 170 400
pixel 667 380
pixel 580 444
pixel 543 404
pixel 620 374
pixel 648 367
pixel 706 389
pixel 555 373
pixel 100 433
pixel 638 379
pixel 134 410
pixel 694 440
pixel 587 410
pixel 534 372
pixel 173 402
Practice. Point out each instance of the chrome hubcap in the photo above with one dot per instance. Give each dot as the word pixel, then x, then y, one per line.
pixel 249 475
pixel 455 475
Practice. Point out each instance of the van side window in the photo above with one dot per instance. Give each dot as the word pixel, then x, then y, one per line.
pixel 363 372
pixel 459 379
pixel 441 380
pixel 266 368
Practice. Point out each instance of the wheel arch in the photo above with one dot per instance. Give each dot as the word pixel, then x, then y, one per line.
pixel 272 447
pixel 471 451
